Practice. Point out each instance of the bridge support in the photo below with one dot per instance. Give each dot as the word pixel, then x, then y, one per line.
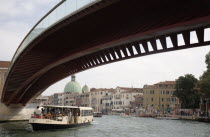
pixel 12 113
pixel 16 112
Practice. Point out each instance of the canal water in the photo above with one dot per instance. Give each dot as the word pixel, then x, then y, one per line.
pixel 114 126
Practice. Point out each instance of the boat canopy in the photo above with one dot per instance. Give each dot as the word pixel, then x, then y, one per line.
pixel 53 106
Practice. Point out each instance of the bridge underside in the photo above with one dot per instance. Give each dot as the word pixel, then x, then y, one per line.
pixel 103 33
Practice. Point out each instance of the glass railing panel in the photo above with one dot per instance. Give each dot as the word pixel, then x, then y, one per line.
pixel 68 7
pixel 71 6
pixel 82 3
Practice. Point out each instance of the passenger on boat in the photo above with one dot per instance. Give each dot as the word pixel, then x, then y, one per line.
pixel 49 115
pixel 69 115
pixel 37 112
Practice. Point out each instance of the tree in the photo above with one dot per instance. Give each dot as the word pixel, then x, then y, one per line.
pixel 186 92
pixel 208 60
pixel 204 83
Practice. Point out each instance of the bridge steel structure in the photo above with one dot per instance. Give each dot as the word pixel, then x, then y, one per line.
pixel 100 32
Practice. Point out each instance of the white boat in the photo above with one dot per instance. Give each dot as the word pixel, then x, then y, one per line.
pixel 56 117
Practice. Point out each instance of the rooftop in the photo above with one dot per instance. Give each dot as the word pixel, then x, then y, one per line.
pixel 166 83
pixel 4 64
pixel 130 88
pixel 103 89
pixel 131 91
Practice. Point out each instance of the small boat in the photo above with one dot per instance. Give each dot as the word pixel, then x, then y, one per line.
pixel 56 117
pixel 97 114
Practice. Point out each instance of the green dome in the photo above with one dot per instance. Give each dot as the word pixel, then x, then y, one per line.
pixel 73 86
pixel 85 89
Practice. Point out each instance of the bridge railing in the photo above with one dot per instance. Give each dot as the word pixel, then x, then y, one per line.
pixel 60 11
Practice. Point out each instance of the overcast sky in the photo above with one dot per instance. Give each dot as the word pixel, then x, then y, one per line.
pixel 17 17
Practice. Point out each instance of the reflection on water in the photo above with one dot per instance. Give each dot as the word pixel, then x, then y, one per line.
pixel 114 126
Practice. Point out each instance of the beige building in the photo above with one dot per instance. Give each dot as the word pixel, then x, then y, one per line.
pixel 160 96
pixel 96 98
pixel 4 65
pixel 124 96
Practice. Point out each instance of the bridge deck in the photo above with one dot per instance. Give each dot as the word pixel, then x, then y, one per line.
pixel 103 33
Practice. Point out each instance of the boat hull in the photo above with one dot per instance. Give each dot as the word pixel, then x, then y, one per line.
pixel 38 126
pixel 97 116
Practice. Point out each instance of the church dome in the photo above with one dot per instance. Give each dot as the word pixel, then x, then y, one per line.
pixel 73 86
pixel 85 89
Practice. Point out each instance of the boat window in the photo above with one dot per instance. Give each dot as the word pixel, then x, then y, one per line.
pixel 86 112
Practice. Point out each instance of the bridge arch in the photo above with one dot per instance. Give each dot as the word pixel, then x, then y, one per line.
pixel 98 33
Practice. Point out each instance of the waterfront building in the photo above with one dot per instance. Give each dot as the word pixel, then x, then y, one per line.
pixel 55 98
pixel 4 65
pixel 60 99
pixel 124 97
pixel 138 102
pixel 73 86
pixel 69 96
pixel 41 100
pixel 83 99
pixel 96 98
pixel 69 99
pixel 160 96
pixel 107 102
pixel 85 89
pixel 49 100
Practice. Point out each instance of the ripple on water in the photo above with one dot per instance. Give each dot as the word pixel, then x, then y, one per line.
pixel 114 126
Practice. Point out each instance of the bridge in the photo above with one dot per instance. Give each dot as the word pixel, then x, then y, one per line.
pixel 82 34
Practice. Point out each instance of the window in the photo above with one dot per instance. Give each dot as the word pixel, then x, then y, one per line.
pixel 162 92
pixel 172 99
pixel 152 91
pixel 162 105
pixel 86 112
pixel 152 99
pixel 168 105
pixel 162 99
pixel 168 99
pixel 167 92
